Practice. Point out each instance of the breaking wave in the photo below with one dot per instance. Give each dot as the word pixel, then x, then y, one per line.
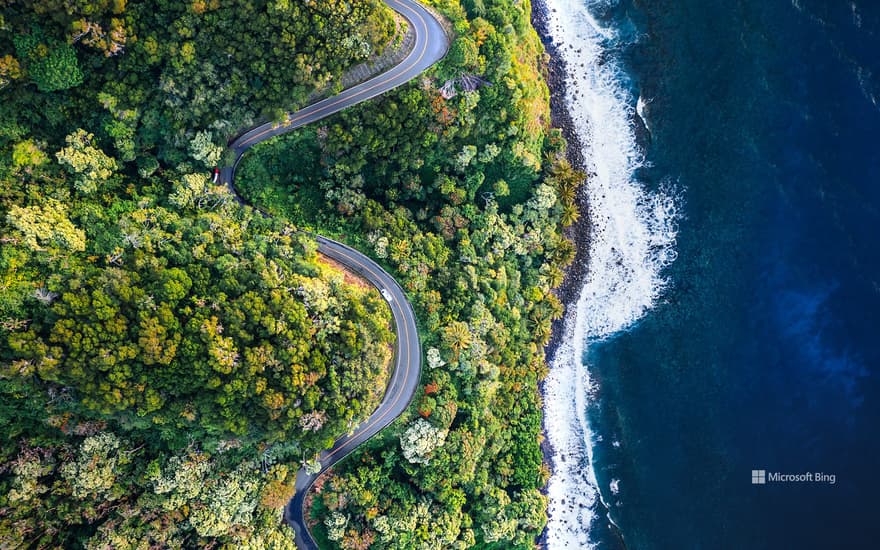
pixel 632 239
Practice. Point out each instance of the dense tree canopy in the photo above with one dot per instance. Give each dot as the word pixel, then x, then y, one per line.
pixel 188 325
pixel 168 73
pixel 169 358
pixel 461 191
pixel 51 64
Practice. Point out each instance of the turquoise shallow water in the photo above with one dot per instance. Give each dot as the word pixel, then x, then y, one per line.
pixel 764 351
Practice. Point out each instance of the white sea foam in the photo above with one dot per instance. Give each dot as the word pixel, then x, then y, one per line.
pixel 614 485
pixel 642 111
pixel 632 239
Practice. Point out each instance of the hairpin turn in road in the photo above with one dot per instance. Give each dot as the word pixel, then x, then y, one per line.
pixel 430 45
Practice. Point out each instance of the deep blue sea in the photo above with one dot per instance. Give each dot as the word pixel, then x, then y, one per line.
pixel 763 350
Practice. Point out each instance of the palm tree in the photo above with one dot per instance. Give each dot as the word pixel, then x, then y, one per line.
pixel 554 275
pixel 457 336
pixel 570 214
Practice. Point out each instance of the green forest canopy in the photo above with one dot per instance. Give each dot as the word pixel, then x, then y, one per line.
pixel 463 198
pixel 169 359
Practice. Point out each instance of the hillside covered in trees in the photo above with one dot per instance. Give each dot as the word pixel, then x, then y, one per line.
pixel 458 186
pixel 169 358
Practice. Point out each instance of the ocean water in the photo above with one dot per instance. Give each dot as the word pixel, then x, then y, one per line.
pixel 730 320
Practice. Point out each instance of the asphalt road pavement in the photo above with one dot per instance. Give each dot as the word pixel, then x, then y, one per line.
pixel 401 388
pixel 431 44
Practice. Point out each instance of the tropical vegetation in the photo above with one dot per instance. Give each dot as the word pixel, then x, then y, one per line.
pixel 170 357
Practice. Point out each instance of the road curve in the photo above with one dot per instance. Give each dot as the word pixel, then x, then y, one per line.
pixel 431 44
pixel 402 386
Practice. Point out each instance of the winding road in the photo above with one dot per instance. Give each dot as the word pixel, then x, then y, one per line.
pixel 401 388
pixel 430 45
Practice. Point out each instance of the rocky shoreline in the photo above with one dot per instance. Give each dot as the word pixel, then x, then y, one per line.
pixel 579 232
